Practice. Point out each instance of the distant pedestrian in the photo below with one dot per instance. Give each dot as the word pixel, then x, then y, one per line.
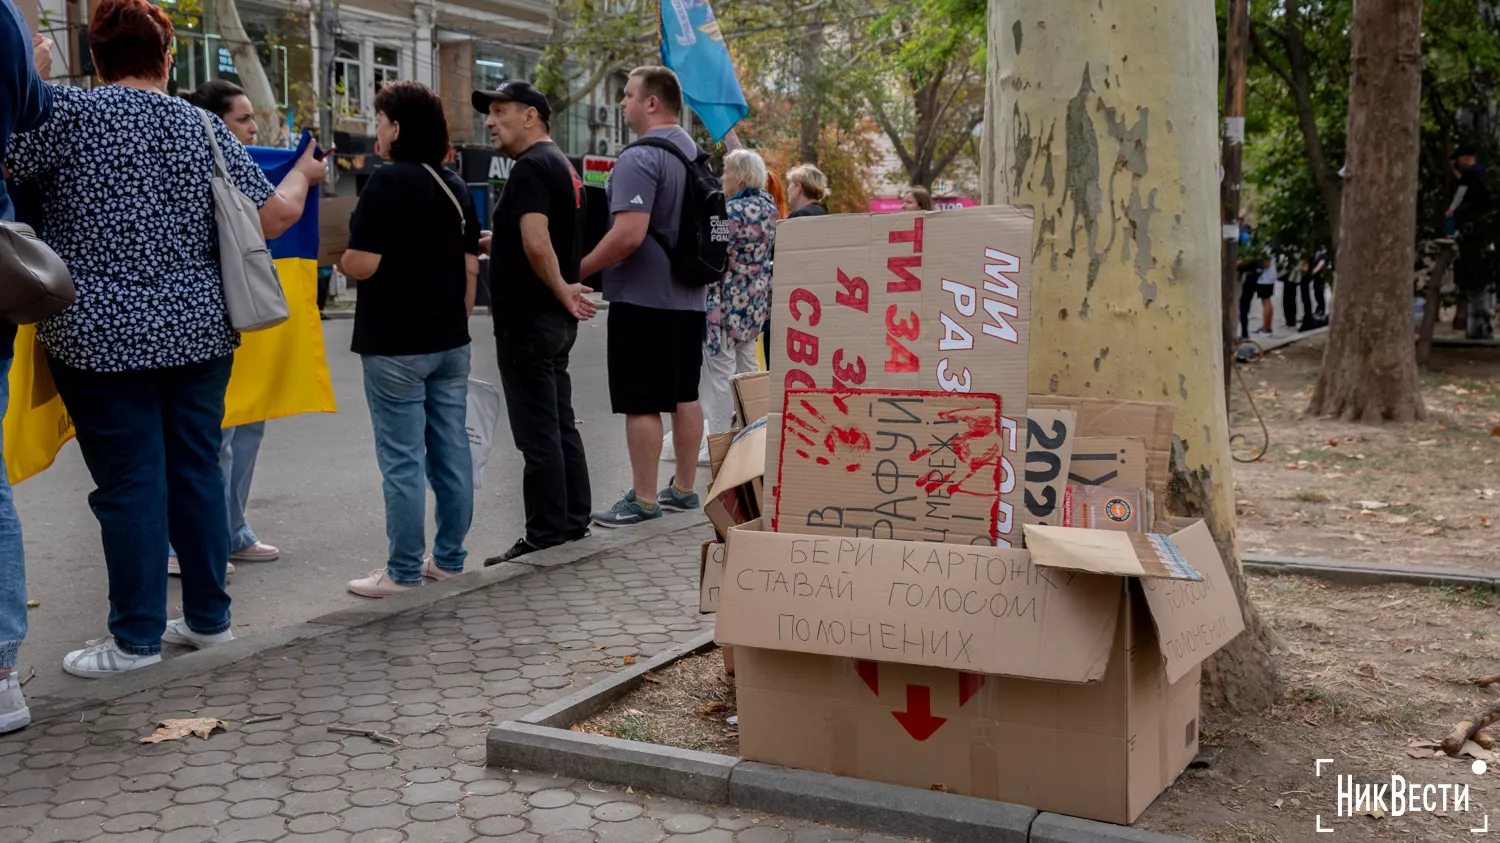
pixel 916 199
pixel 142 359
pixel 807 191
pixel 414 246
pixel 739 304
pixel 25 104
pixel 777 190
pixel 1469 218
pixel 1317 280
pixel 537 301
pixel 656 322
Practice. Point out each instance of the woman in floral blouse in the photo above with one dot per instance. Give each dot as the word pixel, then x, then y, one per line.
pixel 738 305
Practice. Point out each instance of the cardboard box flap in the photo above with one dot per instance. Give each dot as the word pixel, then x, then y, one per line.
pixel 1194 619
pixel 1150 555
pixel 746 460
pixel 965 607
pixel 752 396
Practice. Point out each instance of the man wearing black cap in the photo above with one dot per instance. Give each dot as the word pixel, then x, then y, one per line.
pixel 1469 221
pixel 536 302
pixel 1472 198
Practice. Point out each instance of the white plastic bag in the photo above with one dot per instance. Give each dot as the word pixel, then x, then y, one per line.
pixel 482 419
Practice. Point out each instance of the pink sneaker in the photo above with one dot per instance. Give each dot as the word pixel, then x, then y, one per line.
pixel 175 570
pixel 258 552
pixel 431 571
pixel 377 584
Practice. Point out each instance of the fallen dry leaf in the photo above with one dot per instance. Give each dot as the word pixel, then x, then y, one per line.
pixel 941 788
pixel 629 659
pixel 652 678
pixel 171 730
pixel 1484 521
pixel 1431 531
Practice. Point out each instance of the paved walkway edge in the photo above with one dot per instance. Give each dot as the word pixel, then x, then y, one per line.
pixel 1371 573
pixel 192 664
pixel 542 742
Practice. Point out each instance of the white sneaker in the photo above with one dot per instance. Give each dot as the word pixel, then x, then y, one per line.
pixel 179 633
pixel 174 569
pixel 258 552
pixel 14 714
pixel 102 657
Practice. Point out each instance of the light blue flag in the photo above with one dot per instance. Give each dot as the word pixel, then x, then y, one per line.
pixel 693 46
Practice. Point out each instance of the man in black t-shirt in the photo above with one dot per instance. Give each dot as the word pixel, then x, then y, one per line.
pixel 1472 222
pixel 537 300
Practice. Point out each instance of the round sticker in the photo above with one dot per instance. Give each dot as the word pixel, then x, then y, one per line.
pixel 1117 510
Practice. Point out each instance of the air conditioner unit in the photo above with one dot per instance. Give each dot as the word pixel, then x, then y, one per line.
pixel 603 147
pixel 604 115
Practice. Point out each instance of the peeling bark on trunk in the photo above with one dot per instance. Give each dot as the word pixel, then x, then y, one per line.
pixel 1370 368
pixel 1104 118
pixel 252 73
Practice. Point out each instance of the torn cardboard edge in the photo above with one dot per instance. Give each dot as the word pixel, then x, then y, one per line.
pixel 710 576
pixel 744 461
pixel 752 396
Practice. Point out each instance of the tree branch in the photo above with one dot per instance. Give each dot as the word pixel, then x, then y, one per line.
pixel 889 128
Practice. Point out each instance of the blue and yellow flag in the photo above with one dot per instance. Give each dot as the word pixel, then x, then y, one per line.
pixel 278 372
pixel 693 46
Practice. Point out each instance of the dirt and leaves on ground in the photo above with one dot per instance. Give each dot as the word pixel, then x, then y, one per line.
pixel 688 704
pixel 1426 493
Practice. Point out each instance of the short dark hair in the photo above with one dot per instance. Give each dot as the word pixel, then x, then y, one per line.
pixel 424 129
pixel 662 83
pixel 130 38
pixel 216 96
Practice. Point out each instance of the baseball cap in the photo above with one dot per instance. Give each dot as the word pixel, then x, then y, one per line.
pixel 513 91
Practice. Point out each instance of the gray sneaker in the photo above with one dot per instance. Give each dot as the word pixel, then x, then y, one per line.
pixel 670 498
pixel 627 511
pixel 14 715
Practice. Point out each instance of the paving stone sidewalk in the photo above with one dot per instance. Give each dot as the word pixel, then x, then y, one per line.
pixel 435 678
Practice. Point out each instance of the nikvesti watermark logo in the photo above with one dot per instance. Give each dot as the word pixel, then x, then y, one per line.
pixel 1400 797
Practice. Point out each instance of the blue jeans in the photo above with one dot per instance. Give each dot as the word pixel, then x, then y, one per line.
pixel 151 441
pixel 237 455
pixel 419 404
pixel 12 555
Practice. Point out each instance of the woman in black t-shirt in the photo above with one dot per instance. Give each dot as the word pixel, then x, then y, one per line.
pixel 414 248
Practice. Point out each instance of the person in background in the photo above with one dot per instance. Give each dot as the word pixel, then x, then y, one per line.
pixel 807 190
pixel 739 304
pixel 538 301
pixel 1252 265
pixel 1467 218
pixel 25 104
pixel 777 190
pixel 916 199
pixel 1293 275
pixel 414 248
pixel 1317 276
pixel 656 322
pixel 241 444
pixel 142 358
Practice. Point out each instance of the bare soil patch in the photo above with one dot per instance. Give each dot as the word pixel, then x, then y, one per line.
pixel 1425 493
pixel 686 704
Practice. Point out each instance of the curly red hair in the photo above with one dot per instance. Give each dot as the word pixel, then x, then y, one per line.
pixel 130 38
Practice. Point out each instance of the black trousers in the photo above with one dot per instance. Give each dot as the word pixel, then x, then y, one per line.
pixel 539 401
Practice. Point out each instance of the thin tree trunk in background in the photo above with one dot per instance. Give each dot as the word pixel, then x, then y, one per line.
pixel 1370 367
pixel 810 102
pixel 1119 160
pixel 1307 121
pixel 252 73
pixel 1233 159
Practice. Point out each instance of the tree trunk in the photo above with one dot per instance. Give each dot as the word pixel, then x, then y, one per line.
pixel 252 73
pixel 810 97
pixel 1103 118
pixel 1370 368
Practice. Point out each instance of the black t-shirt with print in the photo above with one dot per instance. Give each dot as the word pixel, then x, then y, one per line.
pixel 541 182
pixel 414 303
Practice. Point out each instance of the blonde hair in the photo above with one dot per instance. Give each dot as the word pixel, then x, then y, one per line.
pixel 812 181
pixel 748 167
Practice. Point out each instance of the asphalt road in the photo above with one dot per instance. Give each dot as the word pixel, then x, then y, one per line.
pixel 316 496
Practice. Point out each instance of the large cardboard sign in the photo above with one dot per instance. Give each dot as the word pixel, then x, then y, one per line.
pixel 923 466
pixel 937 301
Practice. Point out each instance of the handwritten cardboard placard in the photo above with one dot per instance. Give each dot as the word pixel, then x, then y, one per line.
pixel 1049 453
pixel 888 464
pixel 1194 619
pixel 710 576
pixel 1115 461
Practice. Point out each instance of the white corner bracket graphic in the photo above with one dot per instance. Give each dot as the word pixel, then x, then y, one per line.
pixel 1318 818
pixel 1318 765
pixel 1319 827
pixel 1486 829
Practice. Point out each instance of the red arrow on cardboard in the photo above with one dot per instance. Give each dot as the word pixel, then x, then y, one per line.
pixel 918 720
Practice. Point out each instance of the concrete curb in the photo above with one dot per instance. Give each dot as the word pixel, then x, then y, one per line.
pixel 542 742
pixel 192 664
pixel 1370 573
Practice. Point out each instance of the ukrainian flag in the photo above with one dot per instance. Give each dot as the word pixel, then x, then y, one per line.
pixel 278 372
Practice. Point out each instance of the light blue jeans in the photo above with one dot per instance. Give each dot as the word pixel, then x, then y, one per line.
pixel 418 405
pixel 12 555
pixel 237 456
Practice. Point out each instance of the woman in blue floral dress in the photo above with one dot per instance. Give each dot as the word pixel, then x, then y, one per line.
pixel 737 305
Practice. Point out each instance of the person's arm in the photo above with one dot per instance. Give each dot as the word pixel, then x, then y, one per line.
pixel 360 265
pixel 624 237
pixel 471 282
pixel 1458 198
pixel 33 66
pixel 536 239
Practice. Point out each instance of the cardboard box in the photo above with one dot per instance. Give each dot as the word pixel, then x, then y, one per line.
pixel 936 301
pixel 916 465
pixel 735 495
pixel 752 397
pixel 333 228
pixel 1049 454
pixel 1090 705
pixel 710 576
pixel 1105 508
pixel 1148 421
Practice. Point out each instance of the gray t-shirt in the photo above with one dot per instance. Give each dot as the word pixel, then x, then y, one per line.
pixel 651 180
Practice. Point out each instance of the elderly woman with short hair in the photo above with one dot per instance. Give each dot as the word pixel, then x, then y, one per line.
pixel 738 304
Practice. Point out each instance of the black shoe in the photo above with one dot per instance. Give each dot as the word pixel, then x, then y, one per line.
pixel 517 550
pixel 580 535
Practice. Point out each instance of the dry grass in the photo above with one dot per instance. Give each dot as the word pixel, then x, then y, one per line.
pixel 686 706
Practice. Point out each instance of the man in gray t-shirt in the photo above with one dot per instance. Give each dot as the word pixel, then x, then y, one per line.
pixel 656 324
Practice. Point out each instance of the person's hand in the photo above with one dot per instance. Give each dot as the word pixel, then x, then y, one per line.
pixel 575 298
pixel 41 49
pixel 310 167
pixel 1448 213
pixel 484 242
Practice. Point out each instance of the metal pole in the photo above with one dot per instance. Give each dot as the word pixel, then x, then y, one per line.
pixel 328 49
pixel 1233 158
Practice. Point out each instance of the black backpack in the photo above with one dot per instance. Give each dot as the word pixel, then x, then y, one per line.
pixel 701 256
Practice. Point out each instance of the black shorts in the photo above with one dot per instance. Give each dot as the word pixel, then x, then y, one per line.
pixel 1265 291
pixel 655 358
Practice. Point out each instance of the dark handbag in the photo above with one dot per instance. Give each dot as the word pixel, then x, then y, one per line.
pixel 34 281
